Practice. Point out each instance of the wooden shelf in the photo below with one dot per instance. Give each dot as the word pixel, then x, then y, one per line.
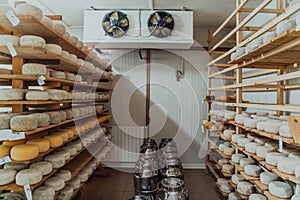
pixel 247 177
pixel 226 175
pixel 50 35
pixel 45 102
pixel 271 197
pixel 220 190
pixel 222 154
pixel 260 186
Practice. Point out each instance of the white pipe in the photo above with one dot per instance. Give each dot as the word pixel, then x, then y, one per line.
pixel 151 4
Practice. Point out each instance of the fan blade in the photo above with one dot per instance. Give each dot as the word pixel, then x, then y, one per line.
pixel 168 19
pixel 121 16
pixel 110 29
pixel 114 15
pixel 156 32
pixel 165 32
pixel 157 16
pixel 123 22
pixel 106 25
pixel 117 32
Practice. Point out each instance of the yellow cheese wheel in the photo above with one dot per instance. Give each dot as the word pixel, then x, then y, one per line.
pixel 4 151
pixel 43 144
pixel 75 130
pixel 24 152
pixel 13 143
pixel 63 135
pixel 70 132
pixel 55 140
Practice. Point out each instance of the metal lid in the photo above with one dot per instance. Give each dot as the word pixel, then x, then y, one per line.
pixel 172 184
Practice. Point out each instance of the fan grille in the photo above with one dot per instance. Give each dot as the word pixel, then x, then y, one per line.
pixel 115 24
pixel 161 24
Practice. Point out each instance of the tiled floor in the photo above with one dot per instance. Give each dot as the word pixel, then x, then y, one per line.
pixel 119 186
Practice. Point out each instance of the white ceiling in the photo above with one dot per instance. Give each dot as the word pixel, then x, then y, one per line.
pixel 207 13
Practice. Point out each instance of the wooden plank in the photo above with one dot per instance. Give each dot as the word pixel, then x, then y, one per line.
pixel 228 69
pixel 249 178
pixel 270 196
pixel 265 10
pixel 212 170
pixel 258 73
pixel 294 124
pixel 275 107
pixel 260 186
pixel 41 103
pixel 250 28
pixel 55 17
pixel 17 63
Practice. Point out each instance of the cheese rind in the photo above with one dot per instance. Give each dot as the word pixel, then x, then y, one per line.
pixel 28 176
pixel 24 152
pixel 235 138
pixel 66 193
pixel 42 144
pixel 4 151
pixel 55 182
pixel 34 69
pixel 75 183
pixel 280 189
pixel 23 123
pixel 237 157
pixel 7 176
pixel 42 118
pixel 54 49
pixel 253 170
pixel 268 177
pixel 44 193
pixel 236 178
pixel 243 141
pixel 273 157
pixel 55 117
pixel 64 174
pixel 11 94
pixel 54 140
pixel 262 151
pixel 245 188
pixel 15 166
pixel 246 161
pixel 251 147
pixel 32 41
pixel 44 166
pixel 37 96
pixel 288 165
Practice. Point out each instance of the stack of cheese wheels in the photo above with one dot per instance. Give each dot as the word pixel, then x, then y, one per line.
pixel 234 196
pixel 44 166
pixel 37 95
pixel 237 157
pixel 11 94
pixel 23 123
pixel 32 41
pixel 288 165
pixel 54 49
pixel 7 176
pixel 42 118
pixel 257 197
pixel 66 175
pixel 280 189
pixel 28 9
pixel 42 144
pixel 273 157
pixel 246 161
pixel 236 178
pixel 229 114
pixel 268 177
pixel 55 117
pixel 24 152
pixel 56 161
pixel 4 151
pixel 44 192
pixel 245 188
pixel 28 176
pixel 54 140
pixel 55 182
pixel 34 69
pixel 70 76
pixel 66 193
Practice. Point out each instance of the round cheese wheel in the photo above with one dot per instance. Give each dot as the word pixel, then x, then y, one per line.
pixel 23 123
pixel 42 144
pixel 250 123
pixel 235 138
pixel 69 132
pixel 44 193
pixel 285 131
pixel 69 114
pixel 223 146
pixel 34 69
pixel 7 176
pixel 88 170
pixel 35 95
pixel 236 178
pixel 76 112
pixel 228 133
pixel 252 170
pixel 280 189
pixel 75 183
pixel 251 147
pixel 240 51
pixel 229 151
pixel 93 165
pixel 74 40
pixel 229 115
pixel 57 95
pixel 257 42
pixel 267 37
pixel 245 188
pixel 56 161
pixel 248 48
pixel 66 55
pixel 57 74
pixel 55 117
pixel 78 78
pixel 243 141
pixel 64 174
pixel 32 41
pixel 272 127
pixel 239 119
pixel 47 22
pixel 55 182
pixel 273 157
pixel 285 25
pixel 64 154
pixel 66 193
pixel 268 177
pixel 227 188
pixel 63 115
pixel 233 56
pixel 59 28
pixel 70 76
pixel 234 196
pixel 77 144
pixel 71 149
pixel 4 39
pixel 272 145
pixel 257 197
pixel 237 157
pixel 79 45
pixel 229 169
pixel 261 141
pixel 63 135
pixel 4 151
pixel 42 118
pixel 246 161
pixel 262 151
pixel 44 166
pixel 11 94
pixel 15 166
pixel 53 49
pixel 28 176
pixel 287 165
pixel 54 140
pixel 222 162
pixel 28 9
pixel 4 121
pixel 24 152
pixel 83 177
pixel 73 58
pixel 261 125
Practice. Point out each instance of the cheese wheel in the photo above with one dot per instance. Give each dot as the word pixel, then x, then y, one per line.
pixel 229 169
pixel 37 95
pixel 28 9
pixel 227 188
pixel 239 119
pixel 59 28
pixel 64 174
pixel 47 21
pixel 287 165
pixel 54 140
pixel 69 114
pixel 66 193
pixel 83 177
pixel 24 152
pixel 7 176
pixel 66 55
pixel 245 188
pixel 267 37
pixel 268 177
pixel 57 74
pixel 234 196
pixel 235 138
pixel 63 135
pixel 44 193
pixel 11 94
pixel 55 182
pixel 73 58
pixel 257 42
pixel 243 141
pixel 77 144
pixel 261 141
pixel 32 41
pixel 257 197
pixel 261 125
pixel 252 170
pixel 285 131
pixel 88 170
pixel 53 49
pixel 280 189
pixel 223 146
pixel 62 153
pixel 285 25
pixel 78 78
pixel 229 151
pixel 42 144
pixel 251 147
pixel 262 151
pixel 28 176
pixel 246 161
pixel 222 162
pixel 75 183
pixel 55 117
pixel 93 165
pixel 4 151
pixel 79 45
pixel 4 39
pixel 56 161
pixel 273 157
pixel 15 166
pixel 42 118
pixel 57 95
pixel 272 145
pixel 34 69
pixel 272 127
pixel 237 157
pixel 4 121
pixel 76 113
pixel 70 132
pixel 70 149
pixel 229 115
pixel 23 123
pixel 74 40
pixel 228 133
pixel 236 178
pixel 70 76
pixel 63 115
pixel 44 166
pixel 250 123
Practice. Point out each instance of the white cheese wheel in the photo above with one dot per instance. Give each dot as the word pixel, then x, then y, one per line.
pixel 71 149
pixel 285 25
pixel 248 48
pixel 272 128
pixel 240 119
pixel 261 125
pixel 57 95
pixel 83 177
pixel 55 117
pixel 240 51
pixel 15 166
pixel 70 76
pixel 76 144
pixel 262 151
pixel 42 144
pixel 285 131
pixel 42 118
pixel 44 166
pixel 56 161
pixel 251 136
pixel 223 146
pixel 57 74
pixel 74 40
pixel 268 177
pixel 28 9
pixel 93 165
pixel 63 115
pixel 229 169
pixel 253 170
pixel 234 196
pixel 54 49
pixel 7 176
pixel 64 154
pixel 32 41
pixel 280 189
pixel 11 94
pixel 66 55
pixel 261 141
pixel 245 188
pixel 44 193
pixel 233 56
pixel 229 114
pixel 64 174
pixel 59 28
pixel 78 78
pixel 273 157
pixel 228 133
pixel 237 157
pixel 4 121
pixel 257 197
pixel 251 147
pixel 267 37
pixel 246 161
pixel 75 183
pixel 227 188
pixel 55 182
pixel 4 39
pixel 34 69
pixel 35 95
pixel 222 162
pixel 257 42
pixel 236 178
pixel 66 193
pixel 69 114
pixel 250 123
pixel 243 141
pixel 288 165
pixel 272 145
pixel 23 123
pixel 28 176
pixel 229 151
pixel 54 140
pixel 47 22
pixel 73 58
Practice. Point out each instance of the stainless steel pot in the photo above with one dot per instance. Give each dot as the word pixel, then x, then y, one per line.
pixel 172 189
pixel 142 197
pixel 145 178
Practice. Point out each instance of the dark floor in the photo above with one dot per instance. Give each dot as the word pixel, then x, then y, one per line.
pixel 119 186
